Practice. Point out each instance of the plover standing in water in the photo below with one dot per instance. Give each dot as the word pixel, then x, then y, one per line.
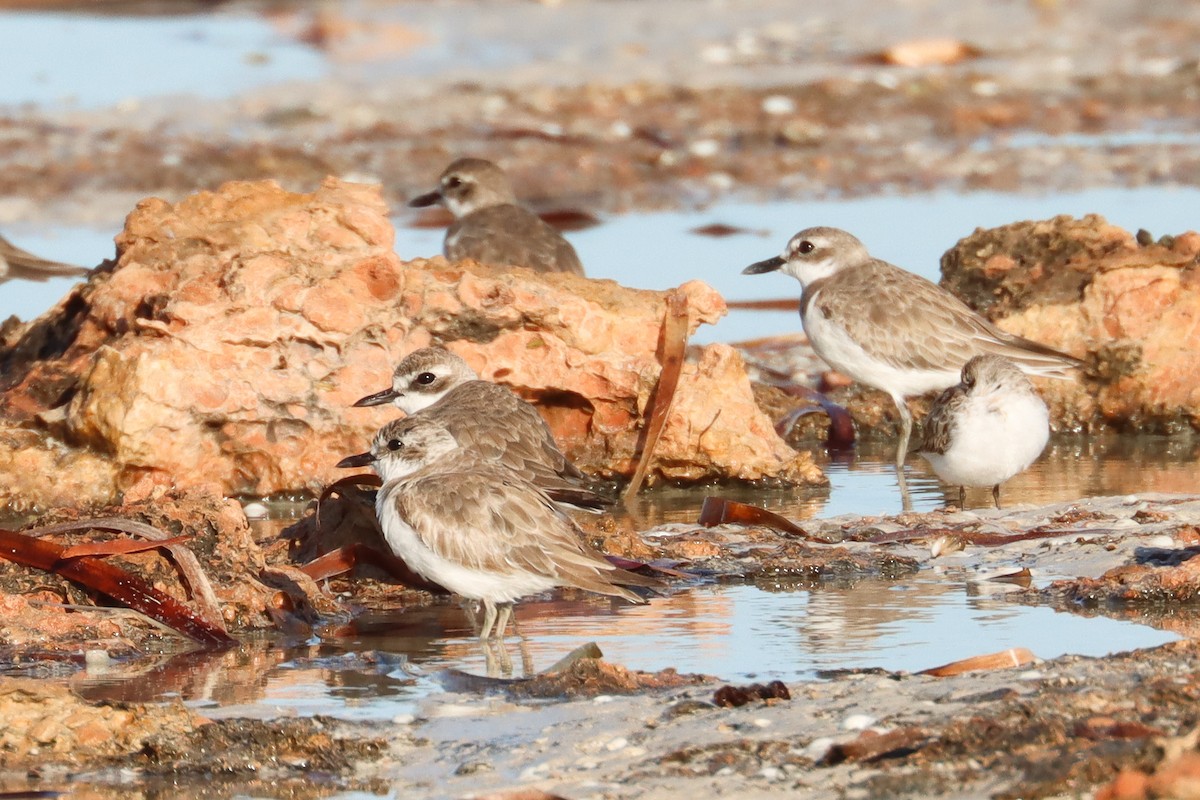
pixel 491 226
pixel 487 419
pixel 986 429
pixel 476 528
pixel 18 263
pixel 890 329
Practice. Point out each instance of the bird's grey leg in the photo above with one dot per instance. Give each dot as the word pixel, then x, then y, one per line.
pixel 505 616
pixel 489 619
pixel 902 451
pixel 996 494
pixel 905 431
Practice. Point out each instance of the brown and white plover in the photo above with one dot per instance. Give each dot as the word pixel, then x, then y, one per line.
pixel 476 528
pixel 488 419
pixel 490 226
pixel 890 329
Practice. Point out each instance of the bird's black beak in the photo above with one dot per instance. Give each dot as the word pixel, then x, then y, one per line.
pixel 377 399
pixel 427 199
pixel 759 267
pixel 360 460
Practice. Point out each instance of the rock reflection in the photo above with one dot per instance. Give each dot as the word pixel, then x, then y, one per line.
pixel 1073 467
pixel 380 665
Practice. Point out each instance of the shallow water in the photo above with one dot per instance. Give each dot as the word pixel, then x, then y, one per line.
pixel 382 664
pixel 864 482
pixel 657 250
pixel 379 666
pixel 69 60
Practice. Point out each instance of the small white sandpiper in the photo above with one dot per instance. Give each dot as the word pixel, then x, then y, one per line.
pixel 987 428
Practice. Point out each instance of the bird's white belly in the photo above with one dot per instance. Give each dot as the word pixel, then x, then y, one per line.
pixel 838 349
pixel 496 587
pixel 992 440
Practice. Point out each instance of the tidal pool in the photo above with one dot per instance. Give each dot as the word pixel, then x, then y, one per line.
pixel 378 666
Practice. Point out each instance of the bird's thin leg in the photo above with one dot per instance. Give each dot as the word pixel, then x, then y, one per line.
pixel 505 615
pixel 905 431
pixel 902 484
pixel 902 452
pixel 996 494
pixel 962 498
pixel 489 619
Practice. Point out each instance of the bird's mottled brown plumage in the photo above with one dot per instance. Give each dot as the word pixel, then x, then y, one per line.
pixel 487 419
pixel 511 235
pixel 487 518
pixel 475 527
pixel 912 323
pixel 491 226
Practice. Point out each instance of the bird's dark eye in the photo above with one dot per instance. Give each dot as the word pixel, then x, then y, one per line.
pixel 426 378
pixel 453 182
pixel 806 246
pixel 394 444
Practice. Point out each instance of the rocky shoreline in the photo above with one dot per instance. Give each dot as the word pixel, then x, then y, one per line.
pixel 258 245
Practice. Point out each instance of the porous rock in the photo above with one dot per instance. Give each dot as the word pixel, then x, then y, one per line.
pixel 228 341
pixel 1131 310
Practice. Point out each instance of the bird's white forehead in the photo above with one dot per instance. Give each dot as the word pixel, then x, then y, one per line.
pixel 439 370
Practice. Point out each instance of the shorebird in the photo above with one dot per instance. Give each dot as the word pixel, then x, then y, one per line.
pixel 987 428
pixel 890 329
pixel 476 528
pixel 18 263
pixel 488 419
pixel 491 226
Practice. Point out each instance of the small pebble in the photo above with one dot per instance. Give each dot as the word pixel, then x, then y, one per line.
pixel 761 723
pixel 620 130
pixel 255 510
pixel 616 744
pixel 778 105
pixel 97 659
pixel 771 773
pixel 857 722
pixel 817 748
pixel 603 698
pixel 404 719
pixel 453 710
pixel 704 148
pixel 1162 541
pixel 721 180
pixel 717 54
pixel 536 771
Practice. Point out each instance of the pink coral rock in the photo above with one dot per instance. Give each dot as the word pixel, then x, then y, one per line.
pixel 237 327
